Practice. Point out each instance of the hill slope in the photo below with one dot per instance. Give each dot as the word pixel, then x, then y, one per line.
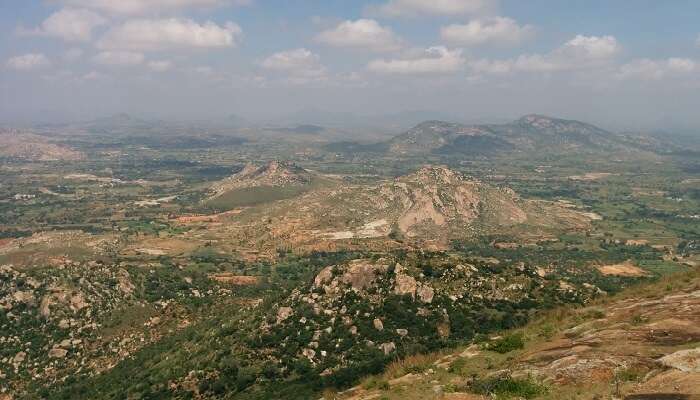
pixel 27 146
pixel 531 132
pixel 433 205
pixel 642 345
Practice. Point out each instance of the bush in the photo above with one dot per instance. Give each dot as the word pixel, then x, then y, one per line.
pixel 507 343
pixel 508 386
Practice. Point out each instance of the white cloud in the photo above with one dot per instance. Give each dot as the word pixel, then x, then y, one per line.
pixel 581 52
pixel 646 69
pixel 73 25
pixel 591 47
pixel 299 65
pixel 363 33
pixel 160 66
pixel 92 76
pixel 119 58
pixel 162 34
pixel 501 30
pixel 413 8
pixel 494 67
pixel 290 60
pixel 680 64
pixel 73 54
pixel 434 60
pixel 28 62
pixel 140 7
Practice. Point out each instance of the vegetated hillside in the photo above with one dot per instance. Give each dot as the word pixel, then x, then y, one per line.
pixel 529 133
pixel 445 137
pixel 255 185
pixel 27 146
pixel 641 345
pixel 431 206
pixel 274 173
pixel 196 327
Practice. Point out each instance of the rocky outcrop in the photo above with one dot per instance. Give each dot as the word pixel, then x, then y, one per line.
pixel 57 352
pixel 361 274
pixel 684 360
pixel 425 294
pixel 388 347
pixel 284 313
pixel 405 284
pixel 378 324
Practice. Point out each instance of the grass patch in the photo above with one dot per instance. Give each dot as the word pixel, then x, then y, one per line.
pixel 506 387
pixel 248 197
pixel 414 364
pixel 506 344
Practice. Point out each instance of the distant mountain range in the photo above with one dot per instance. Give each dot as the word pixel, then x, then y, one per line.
pixel 529 133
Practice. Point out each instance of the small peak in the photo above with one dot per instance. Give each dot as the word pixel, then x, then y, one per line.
pixel 435 173
pixel 536 118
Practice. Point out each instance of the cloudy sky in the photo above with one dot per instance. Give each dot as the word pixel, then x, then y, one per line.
pixel 621 63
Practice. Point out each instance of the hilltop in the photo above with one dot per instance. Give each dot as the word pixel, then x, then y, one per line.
pixel 274 173
pixel 28 146
pixel 529 133
pixel 431 206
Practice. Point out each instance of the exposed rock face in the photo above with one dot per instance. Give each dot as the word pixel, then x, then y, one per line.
pixel 323 277
pixel 58 352
pixel 361 274
pixel 378 324
pixel 283 313
pixel 309 353
pixel 388 348
pixel 18 359
pixel 620 344
pixel 26 297
pixel 425 294
pixel 77 302
pixel 405 284
pixel 124 282
pixel 684 360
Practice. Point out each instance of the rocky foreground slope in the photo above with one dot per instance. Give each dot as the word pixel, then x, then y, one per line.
pixel 644 345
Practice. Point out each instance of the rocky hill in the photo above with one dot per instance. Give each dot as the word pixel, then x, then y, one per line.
pixel 432 205
pixel 446 137
pixel 273 174
pixel 368 309
pixel 529 133
pixel 27 146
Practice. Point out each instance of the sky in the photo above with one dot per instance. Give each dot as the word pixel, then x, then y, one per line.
pixel 620 63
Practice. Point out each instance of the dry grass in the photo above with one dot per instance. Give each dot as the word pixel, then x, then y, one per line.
pixel 413 364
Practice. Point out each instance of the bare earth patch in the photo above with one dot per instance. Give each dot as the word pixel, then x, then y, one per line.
pixel 236 280
pixel 624 269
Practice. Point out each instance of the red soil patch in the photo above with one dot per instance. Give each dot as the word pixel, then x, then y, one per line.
pixel 237 280
pixel 624 269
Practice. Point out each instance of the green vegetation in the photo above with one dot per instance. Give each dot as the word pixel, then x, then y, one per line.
pixel 507 387
pixel 247 197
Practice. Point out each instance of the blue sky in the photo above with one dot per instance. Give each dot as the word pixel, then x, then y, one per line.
pixel 625 64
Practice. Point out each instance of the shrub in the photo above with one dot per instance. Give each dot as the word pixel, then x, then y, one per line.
pixel 507 343
pixel 507 386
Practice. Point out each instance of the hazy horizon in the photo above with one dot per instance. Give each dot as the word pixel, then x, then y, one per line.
pixel 470 60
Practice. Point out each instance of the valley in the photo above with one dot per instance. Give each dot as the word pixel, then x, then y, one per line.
pixel 140 261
